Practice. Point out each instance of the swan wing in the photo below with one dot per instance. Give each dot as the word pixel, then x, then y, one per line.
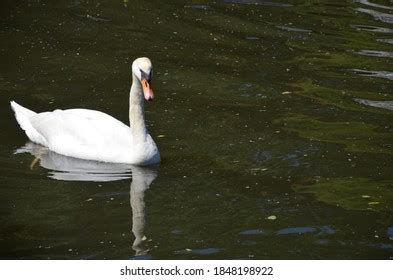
pixel 83 133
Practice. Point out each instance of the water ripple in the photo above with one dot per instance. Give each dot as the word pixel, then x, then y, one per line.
pixel 323 230
pixel 390 233
pixel 387 18
pixel 204 251
pixel 293 29
pixel 372 28
pixel 198 7
pixel 388 41
pixel 376 74
pixel 377 104
pixel 375 53
pixel 258 2
pixel 253 232
pixel 368 3
pixel 296 230
pixel 317 230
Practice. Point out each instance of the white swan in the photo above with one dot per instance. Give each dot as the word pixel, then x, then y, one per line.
pixel 93 135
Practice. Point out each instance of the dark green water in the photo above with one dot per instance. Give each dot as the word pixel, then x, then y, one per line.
pixel 273 121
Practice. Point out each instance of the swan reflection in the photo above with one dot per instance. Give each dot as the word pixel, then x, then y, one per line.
pixel 142 177
pixel 72 169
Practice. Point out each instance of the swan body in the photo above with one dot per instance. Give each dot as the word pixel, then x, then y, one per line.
pixel 94 135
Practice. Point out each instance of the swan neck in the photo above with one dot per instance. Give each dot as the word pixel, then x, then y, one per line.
pixel 137 112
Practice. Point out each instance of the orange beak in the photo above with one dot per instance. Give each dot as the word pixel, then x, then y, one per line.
pixel 147 90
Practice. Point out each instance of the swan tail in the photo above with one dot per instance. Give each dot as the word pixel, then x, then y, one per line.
pixel 23 117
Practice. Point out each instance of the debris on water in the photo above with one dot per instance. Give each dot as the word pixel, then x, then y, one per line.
pixel 89 199
pixel 286 92
pixel 259 169
pixel 94 18
pixel 272 217
pixel 161 136
pixel 373 203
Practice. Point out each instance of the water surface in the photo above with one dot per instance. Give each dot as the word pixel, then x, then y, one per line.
pixel 273 118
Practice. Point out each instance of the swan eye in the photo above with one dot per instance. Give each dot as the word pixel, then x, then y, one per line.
pixel 145 76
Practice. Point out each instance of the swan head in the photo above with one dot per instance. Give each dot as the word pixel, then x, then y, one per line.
pixel 143 70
